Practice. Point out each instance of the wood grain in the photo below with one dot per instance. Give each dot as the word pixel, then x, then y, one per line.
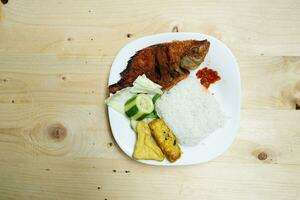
pixel 55 140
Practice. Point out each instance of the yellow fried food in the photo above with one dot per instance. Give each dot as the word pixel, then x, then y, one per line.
pixel 165 139
pixel 145 147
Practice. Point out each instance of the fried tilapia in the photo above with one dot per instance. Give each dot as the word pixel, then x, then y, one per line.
pixel 165 63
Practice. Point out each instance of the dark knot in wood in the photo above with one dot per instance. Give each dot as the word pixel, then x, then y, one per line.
pixel 57 132
pixel 4 1
pixel 262 156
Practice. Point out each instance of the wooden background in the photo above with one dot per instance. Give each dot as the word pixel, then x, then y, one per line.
pixel 55 140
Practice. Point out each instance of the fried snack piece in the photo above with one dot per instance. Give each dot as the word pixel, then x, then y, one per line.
pixel 165 63
pixel 145 146
pixel 165 139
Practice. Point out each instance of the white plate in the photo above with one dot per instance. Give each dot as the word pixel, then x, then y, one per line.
pixel 227 93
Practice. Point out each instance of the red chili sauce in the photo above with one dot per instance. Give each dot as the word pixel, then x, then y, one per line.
pixel 207 76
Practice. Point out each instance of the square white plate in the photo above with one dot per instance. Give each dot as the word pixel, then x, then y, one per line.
pixel 227 92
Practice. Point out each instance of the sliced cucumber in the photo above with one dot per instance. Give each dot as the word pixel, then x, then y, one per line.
pixel 133 124
pixel 144 103
pixel 130 108
pixel 139 106
pixel 148 120
pixel 152 115
pixel 154 99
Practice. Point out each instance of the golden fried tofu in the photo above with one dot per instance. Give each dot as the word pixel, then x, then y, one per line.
pixel 165 139
pixel 145 146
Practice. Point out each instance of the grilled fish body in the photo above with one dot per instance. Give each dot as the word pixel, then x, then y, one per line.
pixel 165 64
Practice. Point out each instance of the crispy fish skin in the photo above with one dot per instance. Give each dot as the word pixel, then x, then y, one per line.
pixel 165 139
pixel 165 64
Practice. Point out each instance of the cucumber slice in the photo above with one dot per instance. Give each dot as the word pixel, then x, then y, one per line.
pixel 154 99
pixel 148 120
pixel 133 124
pixel 138 107
pixel 144 103
pixel 152 115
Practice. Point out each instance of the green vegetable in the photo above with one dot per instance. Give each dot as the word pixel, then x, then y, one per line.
pixel 154 99
pixel 133 124
pixel 144 85
pixel 141 85
pixel 148 120
pixel 138 107
pixel 152 115
pixel 117 100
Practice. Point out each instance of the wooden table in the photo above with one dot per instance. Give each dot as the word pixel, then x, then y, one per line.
pixel 55 139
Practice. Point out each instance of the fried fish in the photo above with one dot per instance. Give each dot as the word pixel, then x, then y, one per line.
pixel 165 63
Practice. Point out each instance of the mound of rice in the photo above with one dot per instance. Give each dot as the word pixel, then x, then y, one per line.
pixel 190 111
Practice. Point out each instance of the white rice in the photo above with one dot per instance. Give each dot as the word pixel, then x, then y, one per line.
pixel 190 111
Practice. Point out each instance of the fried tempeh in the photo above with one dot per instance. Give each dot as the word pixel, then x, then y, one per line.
pixel 165 139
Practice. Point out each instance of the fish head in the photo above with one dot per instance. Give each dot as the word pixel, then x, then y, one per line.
pixel 194 55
